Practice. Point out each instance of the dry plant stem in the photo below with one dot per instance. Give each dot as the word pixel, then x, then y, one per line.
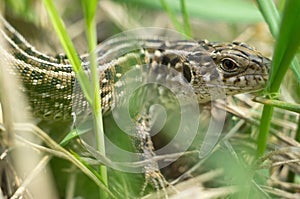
pixel 71 184
pixel 52 144
pixel 13 103
pixel 194 187
pixel 280 193
pixel 36 171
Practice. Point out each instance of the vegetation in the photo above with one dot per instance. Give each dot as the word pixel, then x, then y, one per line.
pixel 257 155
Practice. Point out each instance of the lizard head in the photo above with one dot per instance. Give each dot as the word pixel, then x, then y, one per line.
pixel 234 67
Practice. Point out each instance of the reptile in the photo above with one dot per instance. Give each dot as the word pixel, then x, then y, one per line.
pixel 49 82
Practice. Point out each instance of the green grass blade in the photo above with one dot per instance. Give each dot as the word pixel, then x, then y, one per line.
pixel 237 11
pixel 69 48
pixel 279 104
pixel 92 97
pixel 295 66
pixel 172 15
pixel 264 129
pixel 89 10
pixel 272 17
pixel 287 43
pixel 185 28
pixel 286 46
pixel 270 14
pixel 298 131
pixel 185 16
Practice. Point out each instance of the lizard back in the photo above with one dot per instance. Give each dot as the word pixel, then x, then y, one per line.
pixel 50 83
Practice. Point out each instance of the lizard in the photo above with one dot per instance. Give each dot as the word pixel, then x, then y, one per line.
pixel 49 82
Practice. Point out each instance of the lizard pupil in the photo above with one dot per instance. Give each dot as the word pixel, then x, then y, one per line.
pixel 228 65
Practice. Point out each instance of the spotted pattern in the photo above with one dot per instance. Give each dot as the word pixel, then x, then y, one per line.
pixel 53 92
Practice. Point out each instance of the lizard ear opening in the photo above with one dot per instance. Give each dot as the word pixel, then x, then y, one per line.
pixel 187 72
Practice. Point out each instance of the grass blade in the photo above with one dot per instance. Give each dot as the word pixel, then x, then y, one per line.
pixel 185 16
pixel 286 46
pixel 270 14
pixel 236 11
pixel 92 94
pixel 287 43
pixel 89 10
pixel 279 104
pixel 172 15
pixel 69 48
pixel 272 17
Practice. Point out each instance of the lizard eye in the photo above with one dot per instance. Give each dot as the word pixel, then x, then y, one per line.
pixel 229 65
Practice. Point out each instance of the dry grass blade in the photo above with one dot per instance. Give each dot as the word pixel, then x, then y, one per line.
pixel 18 163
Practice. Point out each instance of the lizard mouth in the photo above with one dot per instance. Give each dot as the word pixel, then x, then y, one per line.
pixel 243 89
pixel 251 82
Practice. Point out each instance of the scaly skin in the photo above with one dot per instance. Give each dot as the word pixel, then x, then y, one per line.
pixel 53 94
pixel 49 82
